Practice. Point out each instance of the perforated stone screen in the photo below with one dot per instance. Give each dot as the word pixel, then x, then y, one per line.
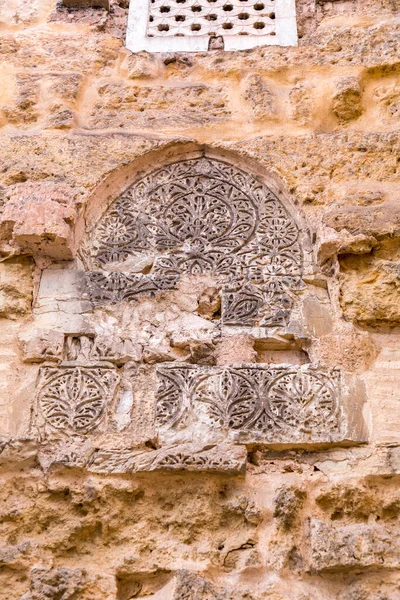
pixel 193 25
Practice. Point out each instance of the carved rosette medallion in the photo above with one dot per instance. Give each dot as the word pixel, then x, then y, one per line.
pixel 199 216
pixel 271 402
pixel 73 400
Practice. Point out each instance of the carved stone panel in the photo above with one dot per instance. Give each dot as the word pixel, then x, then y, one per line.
pixel 200 216
pixel 274 404
pixel 220 458
pixel 73 400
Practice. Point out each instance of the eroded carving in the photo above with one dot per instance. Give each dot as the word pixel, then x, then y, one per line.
pixel 74 399
pixel 223 458
pixel 200 216
pixel 86 349
pixel 253 399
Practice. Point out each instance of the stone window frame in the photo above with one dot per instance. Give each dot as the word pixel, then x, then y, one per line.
pixel 137 40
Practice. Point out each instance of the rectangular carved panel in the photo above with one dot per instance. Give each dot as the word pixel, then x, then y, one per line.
pixel 222 458
pixel 251 403
pixel 73 400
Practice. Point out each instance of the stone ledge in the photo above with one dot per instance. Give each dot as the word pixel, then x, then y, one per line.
pixel 86 4
pixel 220 459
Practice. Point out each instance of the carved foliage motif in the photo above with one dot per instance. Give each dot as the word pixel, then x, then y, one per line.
pixel 74 399
pixel 252 399
pixel 200 216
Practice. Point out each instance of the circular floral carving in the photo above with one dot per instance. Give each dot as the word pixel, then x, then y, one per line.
pixel 302 400
pixel 73 399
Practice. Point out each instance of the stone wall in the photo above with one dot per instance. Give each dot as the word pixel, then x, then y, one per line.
pixel 196 406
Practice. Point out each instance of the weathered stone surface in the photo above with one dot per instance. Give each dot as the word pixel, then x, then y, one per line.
pixel 16 287
pixel 97 503
pixel 268 405
pixel 40 218
pixel 352 547
pixel 42 345
pixel 220 459
pixel 346 103
pixel 119 105
pixel 65 583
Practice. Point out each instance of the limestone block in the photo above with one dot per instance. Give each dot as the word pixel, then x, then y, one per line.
pixel 17 451
pixel 40 217
pixel 23 106
pixel 377 221
pixel 370 290
pixel 39 345
pixel 16 287
pixel 259 96
pixel 279 404
pixel 356 546
pixel 346 102
pixel 66 289
pixel 122 105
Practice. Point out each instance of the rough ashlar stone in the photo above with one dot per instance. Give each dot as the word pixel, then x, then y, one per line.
pixel 41 219
pixel 42 345
pixel 87 4
pixel 370 290
pixel 350 547
pixel 220 459
pixel 346 102
pixel 130 106
pixel 16 287
pixel 65 583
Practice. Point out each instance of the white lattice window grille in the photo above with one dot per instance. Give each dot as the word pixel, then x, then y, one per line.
pixel 199 25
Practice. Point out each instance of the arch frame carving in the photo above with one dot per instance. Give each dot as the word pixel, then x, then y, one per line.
pixel 197 212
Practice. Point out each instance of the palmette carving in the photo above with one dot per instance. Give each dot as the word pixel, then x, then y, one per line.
pixel 266 401
pixel 73 400
pixel 200 216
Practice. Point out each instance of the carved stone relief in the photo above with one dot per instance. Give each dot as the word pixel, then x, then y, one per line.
pixel 264 403
pixel 226 458
pixel 73 398
pixel 200 216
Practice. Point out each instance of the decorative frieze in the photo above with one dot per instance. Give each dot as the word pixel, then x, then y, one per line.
pixel 274 404
pixel 200 216
pixel 220 458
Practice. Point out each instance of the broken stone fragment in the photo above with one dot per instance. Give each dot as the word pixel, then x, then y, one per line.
pixel 41 345
pixel 40 218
